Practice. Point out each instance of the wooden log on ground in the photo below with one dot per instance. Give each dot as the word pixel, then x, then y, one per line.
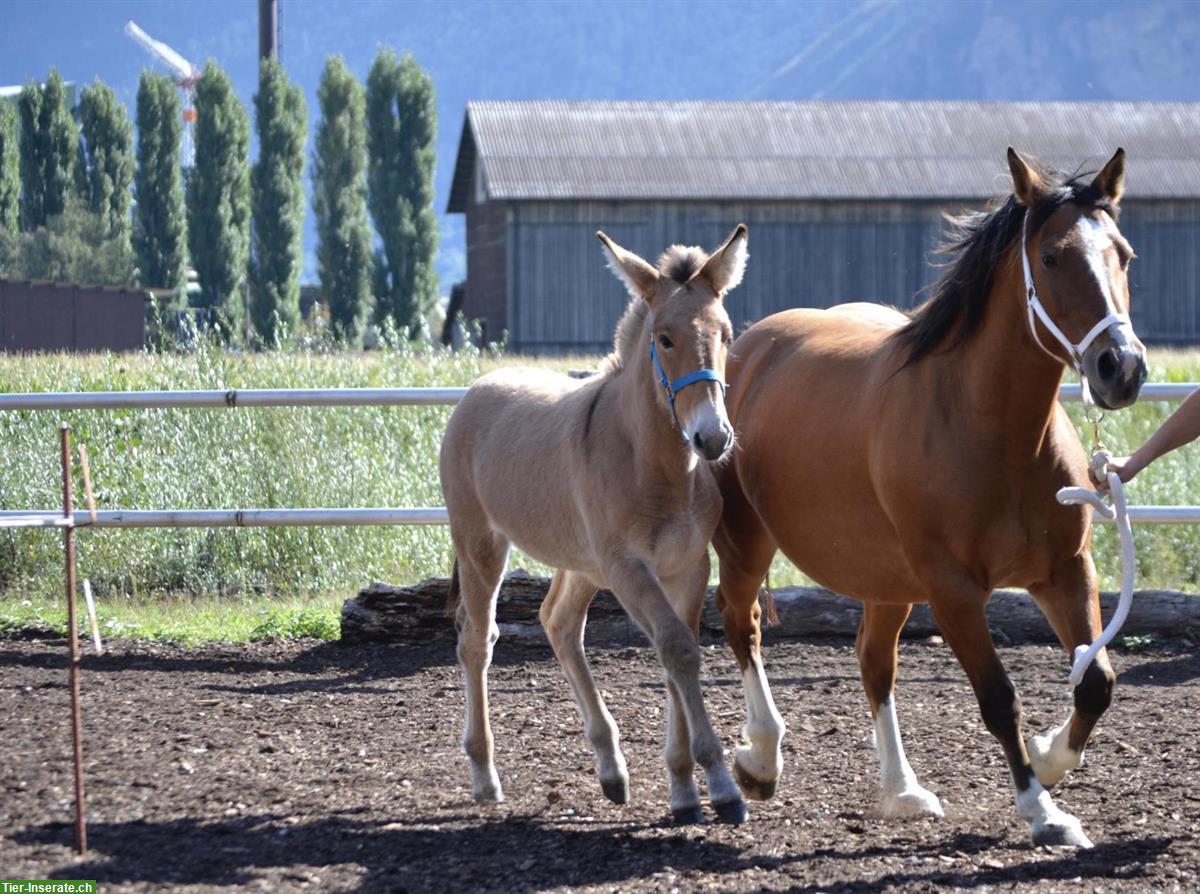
pixel 383 612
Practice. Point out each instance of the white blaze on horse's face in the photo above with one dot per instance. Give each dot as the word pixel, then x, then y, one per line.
pixel 1079 262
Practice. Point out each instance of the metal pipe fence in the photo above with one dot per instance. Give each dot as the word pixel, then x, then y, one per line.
pixel 357 397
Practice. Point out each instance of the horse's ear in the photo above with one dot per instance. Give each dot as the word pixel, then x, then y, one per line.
pixel 1027 183
pixel 638 276
pixel 1111 180
pixel 724 268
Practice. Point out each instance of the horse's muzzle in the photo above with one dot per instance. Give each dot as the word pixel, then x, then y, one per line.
pixel 1116 375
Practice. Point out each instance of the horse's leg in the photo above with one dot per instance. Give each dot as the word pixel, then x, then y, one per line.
pixel 641 596
pixel 481 562
pixel 877 643
pixel 745 550
pixel 1072 605
pixel 961 616
pixel 686 594
pixel 563 615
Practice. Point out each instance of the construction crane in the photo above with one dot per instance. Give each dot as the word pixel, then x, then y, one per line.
pixel 185 74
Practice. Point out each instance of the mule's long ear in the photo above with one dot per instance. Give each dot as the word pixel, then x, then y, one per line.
pixel 724 268
pixel 1027 182
pixel 639 277
pixel 1111 180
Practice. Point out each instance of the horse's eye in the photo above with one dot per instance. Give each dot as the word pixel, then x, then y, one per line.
pixel 666 342
pixel 727 339
pixel 1049 262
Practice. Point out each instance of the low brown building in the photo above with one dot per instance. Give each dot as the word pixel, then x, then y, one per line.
pixel 47 316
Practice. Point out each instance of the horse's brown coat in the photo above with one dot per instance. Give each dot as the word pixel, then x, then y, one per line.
pixel 898 470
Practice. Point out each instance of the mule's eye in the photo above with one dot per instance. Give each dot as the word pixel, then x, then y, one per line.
pixel 1049 262
pixel 666 342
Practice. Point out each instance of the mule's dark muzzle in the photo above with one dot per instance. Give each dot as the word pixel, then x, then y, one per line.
pixel 712 445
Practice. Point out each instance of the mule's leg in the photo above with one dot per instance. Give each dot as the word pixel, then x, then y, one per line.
pixel 964 625
pixel 480 569
pixel 877 644
pixel 745 550
pixel 641 596
pixel 686 593
pixel 563 615
pixel 1072 605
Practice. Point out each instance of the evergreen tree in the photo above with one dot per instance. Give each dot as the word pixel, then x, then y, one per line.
pixel 10 177
pixel 344 261
pixel 160 237
pixel 218 198
pixel 278 196
pixel 401 135
pixel 49 145
pixel 105 171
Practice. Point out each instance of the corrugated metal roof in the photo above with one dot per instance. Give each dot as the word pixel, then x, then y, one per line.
pixel 812 150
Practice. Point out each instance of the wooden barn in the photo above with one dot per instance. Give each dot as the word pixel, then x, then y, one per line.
pixel 844 200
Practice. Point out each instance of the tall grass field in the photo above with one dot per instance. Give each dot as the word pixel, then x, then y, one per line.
pixel 333 457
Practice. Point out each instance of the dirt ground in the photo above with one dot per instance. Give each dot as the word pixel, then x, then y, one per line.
pixel 306 766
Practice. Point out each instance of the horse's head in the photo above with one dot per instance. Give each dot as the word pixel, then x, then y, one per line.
pixel 688 331
pixel 1078 262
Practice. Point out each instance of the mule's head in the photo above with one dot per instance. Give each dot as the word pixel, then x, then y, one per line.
pixel 1079 262
pixel 689 328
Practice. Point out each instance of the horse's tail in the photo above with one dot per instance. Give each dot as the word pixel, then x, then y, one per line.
pixel 769 608
pixel 453 592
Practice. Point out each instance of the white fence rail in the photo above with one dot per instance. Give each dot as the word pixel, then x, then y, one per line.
pixel 355 397
pixel 349 397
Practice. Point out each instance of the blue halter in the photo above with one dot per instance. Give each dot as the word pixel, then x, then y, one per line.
pixel 673 388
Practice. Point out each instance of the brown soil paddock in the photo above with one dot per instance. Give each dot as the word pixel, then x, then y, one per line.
pixel 290 766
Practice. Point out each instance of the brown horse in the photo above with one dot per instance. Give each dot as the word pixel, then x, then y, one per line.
pixel 920 464
pixel 605 479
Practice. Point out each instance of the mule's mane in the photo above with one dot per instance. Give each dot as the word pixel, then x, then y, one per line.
pixel 678 263
pixel 975 245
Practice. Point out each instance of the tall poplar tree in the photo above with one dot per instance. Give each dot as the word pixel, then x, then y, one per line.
pixel 218 199
pixel 105 169
pixel 278 202
pixel 49 146
pixel 344 262
pixel 10 176
pixel 160 236
pixel 401 137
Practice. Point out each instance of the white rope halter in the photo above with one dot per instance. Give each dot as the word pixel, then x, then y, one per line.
pixel 1033 306
pixel 1078 496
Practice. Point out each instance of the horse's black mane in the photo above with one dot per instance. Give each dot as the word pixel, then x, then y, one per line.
pixel 976 244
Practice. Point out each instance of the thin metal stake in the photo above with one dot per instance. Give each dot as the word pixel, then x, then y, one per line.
pixel 73 643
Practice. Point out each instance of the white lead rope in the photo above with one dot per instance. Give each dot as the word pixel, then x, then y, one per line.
pixel 1078 496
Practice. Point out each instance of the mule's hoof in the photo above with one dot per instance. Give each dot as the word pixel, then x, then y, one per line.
pixel 489 795
pixel 753 788
pixel 732 812
pixel 911 804
pixel 616 790
pixel 1063 831
pixel 688 816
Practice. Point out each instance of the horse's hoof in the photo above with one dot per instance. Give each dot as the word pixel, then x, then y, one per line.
pixel 753 788
pixel 688 816
pixel 1064 831
pixel 616 790
pixel 732 812
pixel 911 804
pixel 1049 764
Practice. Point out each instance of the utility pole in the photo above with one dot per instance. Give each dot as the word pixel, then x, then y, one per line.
pixel 268 29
